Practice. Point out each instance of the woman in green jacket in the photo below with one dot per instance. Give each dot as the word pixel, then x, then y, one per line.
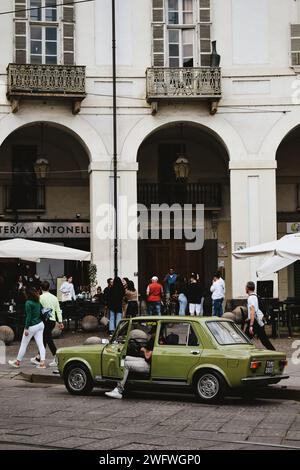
pixel 34 328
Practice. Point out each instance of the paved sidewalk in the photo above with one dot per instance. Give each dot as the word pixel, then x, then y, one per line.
pixel 47 417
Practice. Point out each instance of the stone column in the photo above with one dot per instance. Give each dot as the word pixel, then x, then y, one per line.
pixel 102 219
pixel 253 216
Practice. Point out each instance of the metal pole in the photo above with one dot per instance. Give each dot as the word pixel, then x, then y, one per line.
pixel 115 148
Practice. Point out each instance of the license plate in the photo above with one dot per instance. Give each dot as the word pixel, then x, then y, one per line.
pixel 269 367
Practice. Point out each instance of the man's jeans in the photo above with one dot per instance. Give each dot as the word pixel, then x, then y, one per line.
pixel 153 308
pixel 114 319
pixel 133 364
pixel 217 307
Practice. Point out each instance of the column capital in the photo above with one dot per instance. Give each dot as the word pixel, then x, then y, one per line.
pixel 253 164
pixel 108 166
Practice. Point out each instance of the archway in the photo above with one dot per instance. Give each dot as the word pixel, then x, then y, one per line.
pixel 208 183
pixel 52 209
pixel 288 205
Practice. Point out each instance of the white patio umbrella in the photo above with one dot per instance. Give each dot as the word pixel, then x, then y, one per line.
pixel 30 250
pixel 280 253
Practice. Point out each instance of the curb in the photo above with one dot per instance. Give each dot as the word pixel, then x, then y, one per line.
pixel 42 379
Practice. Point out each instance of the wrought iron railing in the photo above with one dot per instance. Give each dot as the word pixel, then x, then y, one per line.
pixel 209 194
pixel 24 198
pixel 195 82
pixel 44 79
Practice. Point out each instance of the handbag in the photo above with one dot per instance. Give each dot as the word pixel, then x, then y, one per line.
pixel 46 313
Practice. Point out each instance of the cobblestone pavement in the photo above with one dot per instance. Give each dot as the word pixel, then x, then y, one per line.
pixel 47 417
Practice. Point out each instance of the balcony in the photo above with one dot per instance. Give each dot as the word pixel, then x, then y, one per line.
pixel 209 194
pixel 46 82
pixel 197 83
pixel 25 199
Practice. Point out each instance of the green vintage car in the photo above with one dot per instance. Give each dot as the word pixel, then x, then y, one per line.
pixel 208 355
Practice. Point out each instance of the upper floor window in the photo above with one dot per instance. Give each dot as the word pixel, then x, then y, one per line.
pixel 45 33
pixel 181 33
pixel 43 10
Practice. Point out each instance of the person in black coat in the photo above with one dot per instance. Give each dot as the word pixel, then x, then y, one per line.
pixel 194 296
pixel 115 297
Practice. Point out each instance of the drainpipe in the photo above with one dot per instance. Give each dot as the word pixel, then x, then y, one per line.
pixel 115 148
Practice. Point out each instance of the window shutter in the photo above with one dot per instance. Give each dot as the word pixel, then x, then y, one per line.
pixel 295 45
pixel 158 33
pixel 20 31
pixel 205 32
pixel 68 33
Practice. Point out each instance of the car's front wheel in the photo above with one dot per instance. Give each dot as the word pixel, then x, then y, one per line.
pixel 209 386
pixel 78 380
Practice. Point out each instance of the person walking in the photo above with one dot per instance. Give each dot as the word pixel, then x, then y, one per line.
pixel 255 322
pixel 154 296
pixel 217 294
pixel 67 290
pixel 34 328
pixel 49 301
pixel 131 297
pixel 115 302
pixel 194 296
pixel 181 292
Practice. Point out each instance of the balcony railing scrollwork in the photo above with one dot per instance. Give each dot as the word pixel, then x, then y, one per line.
pixel 46 82
pixel 184 83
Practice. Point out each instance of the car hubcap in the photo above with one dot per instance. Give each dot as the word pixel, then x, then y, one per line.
pixel 208 386
pixel 77 379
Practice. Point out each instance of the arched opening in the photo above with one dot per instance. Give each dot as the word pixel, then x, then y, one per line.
pixel 49 203
pixel 288 206
pixel 206 182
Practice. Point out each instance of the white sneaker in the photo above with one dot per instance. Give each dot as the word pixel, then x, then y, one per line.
pixel 14 364
pixel 114 394
pixel 53 363
pixel 34 361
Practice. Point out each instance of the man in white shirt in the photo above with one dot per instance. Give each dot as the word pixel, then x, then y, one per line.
pixel 255 318
pixel 217 294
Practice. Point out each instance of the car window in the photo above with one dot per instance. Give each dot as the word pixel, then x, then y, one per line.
pixel 226 333
pixel 177 334
pixel 121 332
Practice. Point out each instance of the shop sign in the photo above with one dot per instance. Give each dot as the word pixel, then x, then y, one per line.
pixel 45 230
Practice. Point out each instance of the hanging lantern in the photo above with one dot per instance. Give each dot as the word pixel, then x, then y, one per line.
pixel 41 168
pixel 182 168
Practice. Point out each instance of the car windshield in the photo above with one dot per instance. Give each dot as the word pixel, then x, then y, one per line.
pixel 226 333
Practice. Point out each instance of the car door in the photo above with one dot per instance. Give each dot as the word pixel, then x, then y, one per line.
pixel 114 352
pixel 177 350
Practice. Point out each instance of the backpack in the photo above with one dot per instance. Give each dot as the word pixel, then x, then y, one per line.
pixel 261 316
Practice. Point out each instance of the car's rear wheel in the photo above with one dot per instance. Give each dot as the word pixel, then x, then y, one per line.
pixel 209 386
pixel 78 380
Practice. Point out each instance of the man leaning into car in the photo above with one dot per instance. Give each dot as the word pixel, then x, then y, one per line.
pixel 138 361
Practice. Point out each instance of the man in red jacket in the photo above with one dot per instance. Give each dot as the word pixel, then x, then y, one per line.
pixel 154 295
